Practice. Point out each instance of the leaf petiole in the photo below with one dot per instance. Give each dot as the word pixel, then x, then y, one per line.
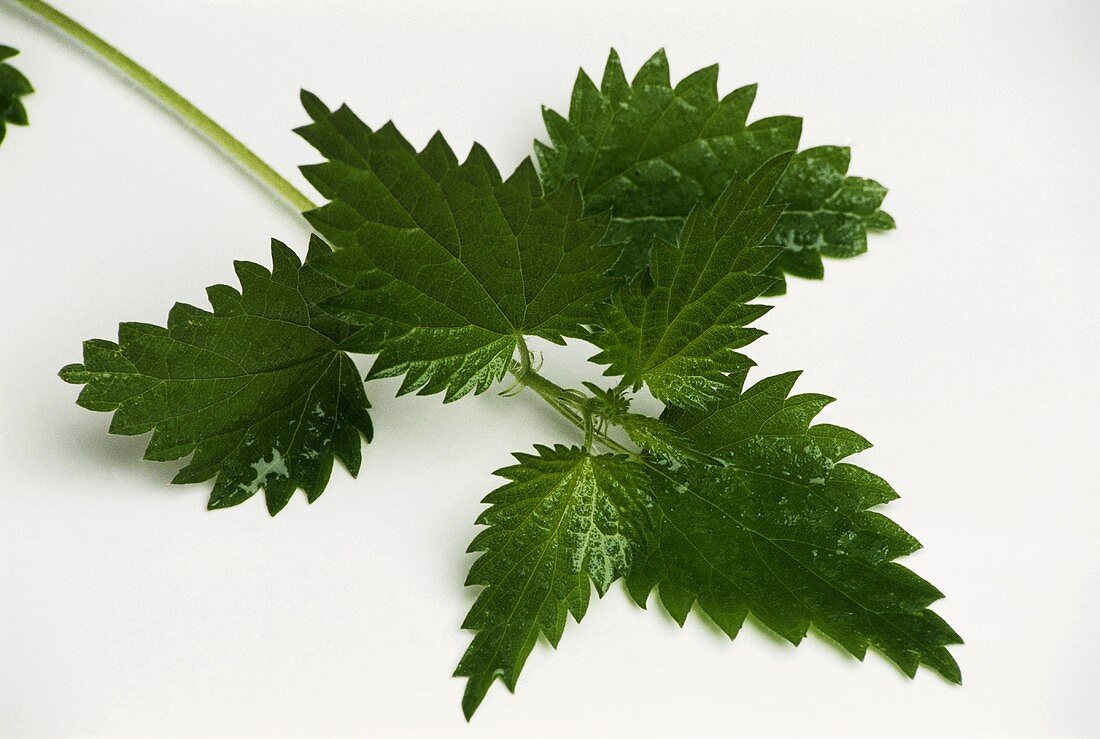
pixel 573 405
pixel 230 146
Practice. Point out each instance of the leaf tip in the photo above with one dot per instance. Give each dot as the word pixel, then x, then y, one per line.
pixel 317 247
pixel 315 109
pixel 476 688
pixel 74 374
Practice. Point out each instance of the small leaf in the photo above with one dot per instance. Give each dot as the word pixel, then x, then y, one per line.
pixel 677 332
pixel 564 521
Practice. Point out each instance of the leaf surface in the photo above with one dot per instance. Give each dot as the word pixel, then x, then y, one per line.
pixel 258 390
pixel 827 213
pixel 648 151
pixel 678 331
pixel 782 530
pixel 447 261
pixel 564 521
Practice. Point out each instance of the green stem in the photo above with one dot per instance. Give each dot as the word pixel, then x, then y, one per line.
pixel 556 397
pixel 544 387
pixel 221 139
pixel 571 404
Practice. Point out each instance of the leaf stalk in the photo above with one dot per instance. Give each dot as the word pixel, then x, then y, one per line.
pixel 230 146
pixel 573 405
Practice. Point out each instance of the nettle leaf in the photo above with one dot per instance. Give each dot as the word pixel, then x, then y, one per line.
pixel 648 152
pixel 677 332
pixel 259 390
pixel 565 520
pixel 826 214
pixel 447 261
pixel 13 86
pixel 782 530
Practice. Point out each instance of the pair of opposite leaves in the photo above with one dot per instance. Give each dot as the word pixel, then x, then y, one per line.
pixel 657 214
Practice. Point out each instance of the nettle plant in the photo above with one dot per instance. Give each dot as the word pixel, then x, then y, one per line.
pixel 655 218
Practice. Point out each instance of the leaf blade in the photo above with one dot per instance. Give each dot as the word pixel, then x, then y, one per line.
pixel 434 251
pixel 565 521
pixel 13 86
pixel 257 391
pixel 782 530
pixel 677 332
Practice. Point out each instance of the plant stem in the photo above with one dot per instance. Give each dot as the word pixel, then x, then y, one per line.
pixel 555 396
pixel 221 139
pixel 571 404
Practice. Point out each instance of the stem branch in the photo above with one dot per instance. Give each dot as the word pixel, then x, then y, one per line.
pixel 563 401
pixel 221 139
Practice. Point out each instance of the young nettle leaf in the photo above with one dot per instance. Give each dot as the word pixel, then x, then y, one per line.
pixel 660 439
pixel 13 86
pixel 447 261
pixel 565 520
pixel 648 152
pixel 677 331
pixel 259 390
pixel 781 530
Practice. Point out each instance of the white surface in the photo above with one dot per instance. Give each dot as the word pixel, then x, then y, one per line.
pixel 964 345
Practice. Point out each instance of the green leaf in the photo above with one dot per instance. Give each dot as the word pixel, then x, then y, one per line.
pixel 447 261
pixel 782 531
pixel 659 439
pixel 648 152
pixel 259 390
pixel 13 86
pixel 827 213
pixel 564 519
pixel 678 331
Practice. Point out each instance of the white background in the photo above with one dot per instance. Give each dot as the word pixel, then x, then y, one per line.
pixel 964 345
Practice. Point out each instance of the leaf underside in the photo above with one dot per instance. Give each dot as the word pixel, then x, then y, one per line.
pixel 258 390
pixel 445 263
pixel 648 151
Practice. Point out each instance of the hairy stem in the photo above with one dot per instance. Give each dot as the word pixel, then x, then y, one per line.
pixel 569 403
pixel 179 106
